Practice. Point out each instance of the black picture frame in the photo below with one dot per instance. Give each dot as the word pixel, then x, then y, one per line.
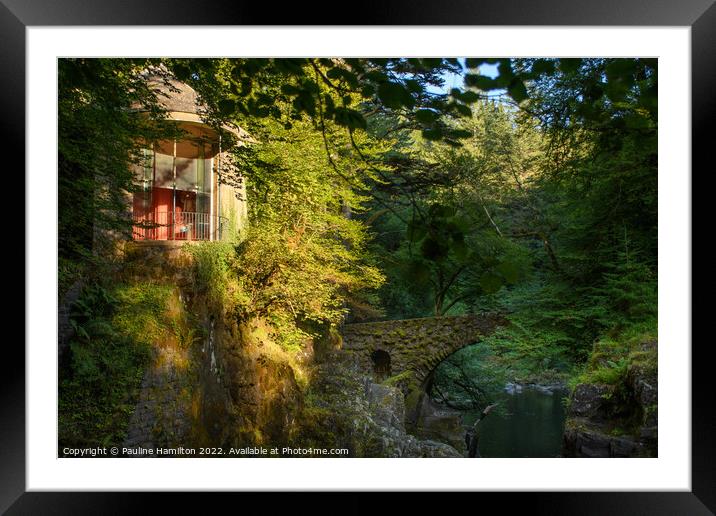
pixel 700 15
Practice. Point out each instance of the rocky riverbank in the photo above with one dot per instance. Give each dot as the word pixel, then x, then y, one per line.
pixel 617 419
pixel 348 408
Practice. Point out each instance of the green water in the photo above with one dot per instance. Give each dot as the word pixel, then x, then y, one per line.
pixel 527 424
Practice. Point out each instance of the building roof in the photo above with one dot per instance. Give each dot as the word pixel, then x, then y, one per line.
pixel 182 102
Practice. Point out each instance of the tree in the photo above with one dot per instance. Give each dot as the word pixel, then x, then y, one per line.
pixel 100 133
pixel 452 200
pixel 301 259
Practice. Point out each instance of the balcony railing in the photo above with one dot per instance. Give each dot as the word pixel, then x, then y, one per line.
pixel 179 225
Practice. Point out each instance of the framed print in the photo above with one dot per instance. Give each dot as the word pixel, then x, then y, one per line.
pixel 433 253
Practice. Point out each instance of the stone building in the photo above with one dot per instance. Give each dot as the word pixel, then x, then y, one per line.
pixel 188 189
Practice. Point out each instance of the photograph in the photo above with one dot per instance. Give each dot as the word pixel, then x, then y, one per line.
pixel 357 257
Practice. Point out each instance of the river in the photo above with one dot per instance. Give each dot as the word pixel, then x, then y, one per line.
pixel 528 424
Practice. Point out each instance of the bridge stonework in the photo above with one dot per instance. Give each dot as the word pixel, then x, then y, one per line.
pixel 417 345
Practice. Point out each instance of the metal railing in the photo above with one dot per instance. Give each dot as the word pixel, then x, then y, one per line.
pixel 178 225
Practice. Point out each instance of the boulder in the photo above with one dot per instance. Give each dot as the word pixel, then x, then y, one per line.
pixel 591 401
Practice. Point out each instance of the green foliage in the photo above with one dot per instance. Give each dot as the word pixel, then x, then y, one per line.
pixel 100 134
pixel 470 378
pixel 369 194
pixel 452 244
pixel 302 258
pixel 301 261
pixel 560 196
pixel 142 313
pixel 612 373
pixel 398 380
pixel 215 278
pixel 614 353
pixel 627 293
pixel 329 91
pixel 98 388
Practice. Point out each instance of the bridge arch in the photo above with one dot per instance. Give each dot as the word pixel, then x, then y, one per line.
pixel 416 345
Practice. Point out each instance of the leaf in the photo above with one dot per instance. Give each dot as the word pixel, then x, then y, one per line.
pixel 330 106
pixel 394 95
pixel 636 121
pixel 542 67
pixel 368 90
pixel 292 66
pixel 343 74
pixel 569 64
pixel 469 97
pixel 460 133
pixel 474 62
pixel 305 102
pixel 375 76
pixel 290 89
pixel 594 91
pixel 462 109
pixel 431 62
pixel 517 90
pixel 349 118
pixel 426 116
pixel 413 86
pixel 182 71
pixel 621 70
pixel 481 82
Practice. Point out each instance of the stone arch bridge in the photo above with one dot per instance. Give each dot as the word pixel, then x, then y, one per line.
pixel 418 345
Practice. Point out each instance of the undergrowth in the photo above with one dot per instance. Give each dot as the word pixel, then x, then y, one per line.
pixel 114 328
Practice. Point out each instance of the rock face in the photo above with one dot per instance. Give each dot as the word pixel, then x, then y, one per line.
pixel 387 408
pixel 353 412
pixel 213 384
pixel 439 423
pixel 230 385
pixel 593 442
pixel 163 415
pixel 263 395
pixel 614 420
